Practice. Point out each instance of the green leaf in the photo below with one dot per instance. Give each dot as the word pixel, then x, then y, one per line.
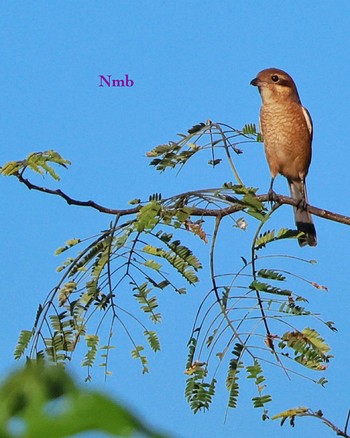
pixel 135 201
pixel 255 372
pixel 271 274
pixel 309 348
pixel 26 396
pixel 148 217
pixel 66 290
pixel 211 338
pixel 290 413
pixel 177 153
pixel 69 244
pixel 96 248
pixel 92 342
pixel 136 354
pixel 232 382
pixel 153 265
pixel 152 339
pixel 259 402
pixel 198 393
pixel 259 138
pixel 183 213
pixel 149 304
pixel 11 168
pixel 196 128
pixel 37 162
pixel 69 261
pixel 272 236
pixel 249 129
pixel 264 287
pixel 192 344
pixel 23 342
pixel 250 200
pixel 232 375
pixel 179 256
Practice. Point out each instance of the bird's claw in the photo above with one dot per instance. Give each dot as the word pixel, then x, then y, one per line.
pixel 302 204
pixel 272 197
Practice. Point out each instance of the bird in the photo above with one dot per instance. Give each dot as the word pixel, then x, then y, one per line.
pixel 287 130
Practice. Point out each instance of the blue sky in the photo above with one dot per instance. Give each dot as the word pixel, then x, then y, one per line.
pixel 190 61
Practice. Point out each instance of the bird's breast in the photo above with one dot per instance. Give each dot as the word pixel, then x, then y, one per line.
pixel 287 139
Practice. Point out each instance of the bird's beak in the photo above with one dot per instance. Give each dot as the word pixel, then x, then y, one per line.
pixel 255 82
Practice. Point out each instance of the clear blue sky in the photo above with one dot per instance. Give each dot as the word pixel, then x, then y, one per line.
pixel 190 61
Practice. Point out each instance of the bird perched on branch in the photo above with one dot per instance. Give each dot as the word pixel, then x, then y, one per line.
pixel 286 127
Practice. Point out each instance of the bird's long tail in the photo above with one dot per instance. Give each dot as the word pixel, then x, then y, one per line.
pixel 303 218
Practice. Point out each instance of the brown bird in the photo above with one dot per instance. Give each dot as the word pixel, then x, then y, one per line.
pixel 286 127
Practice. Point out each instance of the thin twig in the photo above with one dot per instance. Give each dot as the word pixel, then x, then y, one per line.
pixel 215 288
pixel 319 415
pixel 347 422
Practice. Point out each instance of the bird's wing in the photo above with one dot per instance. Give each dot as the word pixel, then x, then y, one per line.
pixel 308 120
pixel 260 127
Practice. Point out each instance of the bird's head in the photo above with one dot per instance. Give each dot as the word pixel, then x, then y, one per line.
pixel 275 85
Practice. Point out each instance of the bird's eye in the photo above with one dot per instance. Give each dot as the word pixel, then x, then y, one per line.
pixel 275 78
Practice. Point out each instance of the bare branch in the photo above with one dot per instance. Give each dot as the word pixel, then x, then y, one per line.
pixel 319 415
pixel 72 201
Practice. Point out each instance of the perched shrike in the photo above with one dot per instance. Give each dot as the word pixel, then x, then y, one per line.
pixel 286 127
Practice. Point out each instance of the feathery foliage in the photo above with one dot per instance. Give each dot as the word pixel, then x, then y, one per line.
pixel 38 162
pixel 251 314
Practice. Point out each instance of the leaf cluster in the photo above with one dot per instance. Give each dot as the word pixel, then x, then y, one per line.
pixel 253 316
pixel 131 254
pixel 201 137
pixel 38 162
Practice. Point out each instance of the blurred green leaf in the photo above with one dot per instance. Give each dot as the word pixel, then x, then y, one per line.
pixel 44 398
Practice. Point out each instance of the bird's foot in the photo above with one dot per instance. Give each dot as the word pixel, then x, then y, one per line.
pixel 272 197
pixel 302 204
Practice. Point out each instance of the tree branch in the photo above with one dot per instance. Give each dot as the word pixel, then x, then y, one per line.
pixel 72 201
pixel 195 211
pixel 319 415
